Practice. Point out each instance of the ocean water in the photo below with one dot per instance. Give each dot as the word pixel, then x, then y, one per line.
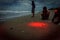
pixel 19 8
pixel 5 15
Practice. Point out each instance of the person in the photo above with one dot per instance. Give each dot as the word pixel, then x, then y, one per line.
pixel 55 14
pixel 33 8
pixel 58 16
pixel 45 14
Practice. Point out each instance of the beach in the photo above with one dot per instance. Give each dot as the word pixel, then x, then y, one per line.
pixel 18 28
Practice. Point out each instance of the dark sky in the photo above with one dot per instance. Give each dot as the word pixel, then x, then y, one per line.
pixel 8 4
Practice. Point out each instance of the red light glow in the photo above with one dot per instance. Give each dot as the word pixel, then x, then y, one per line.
pixel 38 24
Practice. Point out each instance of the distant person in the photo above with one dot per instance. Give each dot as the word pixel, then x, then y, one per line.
pixel 58 16
pixel 45 14
pixel 55 14
pixel 33 8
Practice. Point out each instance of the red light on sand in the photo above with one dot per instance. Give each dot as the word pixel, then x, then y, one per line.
pixel 37 24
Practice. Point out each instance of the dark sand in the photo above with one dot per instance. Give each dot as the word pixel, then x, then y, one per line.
pixel 17 29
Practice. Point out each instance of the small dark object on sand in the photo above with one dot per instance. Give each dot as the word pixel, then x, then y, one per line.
pixel 11 28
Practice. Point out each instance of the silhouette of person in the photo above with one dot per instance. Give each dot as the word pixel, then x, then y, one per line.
pixel 46 13
pixel 33 8
pixel 58 16
pixel 55 14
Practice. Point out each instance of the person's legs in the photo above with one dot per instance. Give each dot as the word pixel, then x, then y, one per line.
pixel 32 14
pixel 54 17
pixel 33 11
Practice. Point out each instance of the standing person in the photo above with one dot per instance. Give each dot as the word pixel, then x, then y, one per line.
pixel 58 16
pixel 33 8
pixel 55 14
pixel 45 14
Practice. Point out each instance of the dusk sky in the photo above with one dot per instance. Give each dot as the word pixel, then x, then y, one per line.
pixel 21 4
